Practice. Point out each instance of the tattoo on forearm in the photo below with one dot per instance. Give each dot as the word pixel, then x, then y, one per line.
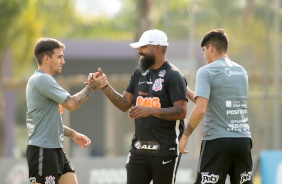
pixel 189 130
pixel 115 98
pixel 68 132
pixel 78 99
pixel 171 114
pixel 94 85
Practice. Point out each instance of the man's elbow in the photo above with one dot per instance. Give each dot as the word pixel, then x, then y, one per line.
pixel 69 104
pixel 182 116
pixel 124 108
pixel 71 109
pixel 183 113
pixel 201 111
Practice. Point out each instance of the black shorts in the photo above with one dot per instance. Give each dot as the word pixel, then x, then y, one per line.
pixel 223 156
pixel 142 169
pixel 46 165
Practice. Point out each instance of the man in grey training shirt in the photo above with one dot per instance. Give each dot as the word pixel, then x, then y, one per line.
pixel 45 98
pixel 221 92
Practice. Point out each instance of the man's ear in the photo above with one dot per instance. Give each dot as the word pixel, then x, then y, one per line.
pixel 46 59
pixel 159 48
pixel 210 47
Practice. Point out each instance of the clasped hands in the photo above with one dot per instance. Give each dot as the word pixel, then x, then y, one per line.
pixel 97 80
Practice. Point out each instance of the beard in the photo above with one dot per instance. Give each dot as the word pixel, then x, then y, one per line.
pixel 58 71
pixel 146 62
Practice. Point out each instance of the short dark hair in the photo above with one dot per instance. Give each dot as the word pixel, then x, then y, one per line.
pixel 216 37
pixel 46 46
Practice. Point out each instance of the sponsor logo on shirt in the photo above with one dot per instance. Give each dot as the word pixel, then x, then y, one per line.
pixel 141 93
pixel 230 72
pixel 237 111
pixel 228 103
pixel 147 146
pixel 238 128
pixel 153 102
pixel 236 103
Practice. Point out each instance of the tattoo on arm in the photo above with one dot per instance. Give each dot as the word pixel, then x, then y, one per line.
pixel 68 132
pixel 189 130
pixel 116 98
pixel 78 99
pixel 171 114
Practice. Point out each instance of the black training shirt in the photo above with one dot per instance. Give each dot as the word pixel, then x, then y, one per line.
pixel 158 89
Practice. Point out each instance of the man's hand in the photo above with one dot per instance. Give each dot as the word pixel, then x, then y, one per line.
pixel 82 140
pixel 182 144
pixel 138 112
pixel 97 80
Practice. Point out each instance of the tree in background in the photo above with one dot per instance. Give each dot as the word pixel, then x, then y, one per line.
pixel 10 15
pixel 143 17
pixel 22 23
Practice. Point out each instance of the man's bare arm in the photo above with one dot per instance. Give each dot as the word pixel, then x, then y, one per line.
pixel 190 94
pixel 123 102
pixel 178 111
pixel 68 132
pixel 196 116
pixel 80 139
pixel 74 102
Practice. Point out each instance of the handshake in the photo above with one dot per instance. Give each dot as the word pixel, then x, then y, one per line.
pixel 97 80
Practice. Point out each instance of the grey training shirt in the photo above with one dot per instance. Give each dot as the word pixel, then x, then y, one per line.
pixel 225 84
pixel 44 122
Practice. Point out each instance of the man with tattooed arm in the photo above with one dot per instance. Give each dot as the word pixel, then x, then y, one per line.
pixel 156 99
pixel 45 98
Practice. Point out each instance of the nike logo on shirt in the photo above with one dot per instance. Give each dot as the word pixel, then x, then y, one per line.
pixel 147 82
pixel 141 82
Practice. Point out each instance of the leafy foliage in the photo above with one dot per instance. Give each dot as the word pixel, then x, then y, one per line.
pixel 9 14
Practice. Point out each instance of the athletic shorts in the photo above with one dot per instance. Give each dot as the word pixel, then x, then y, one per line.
pixel 143 169
pixel 223 156
pixel 46 165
